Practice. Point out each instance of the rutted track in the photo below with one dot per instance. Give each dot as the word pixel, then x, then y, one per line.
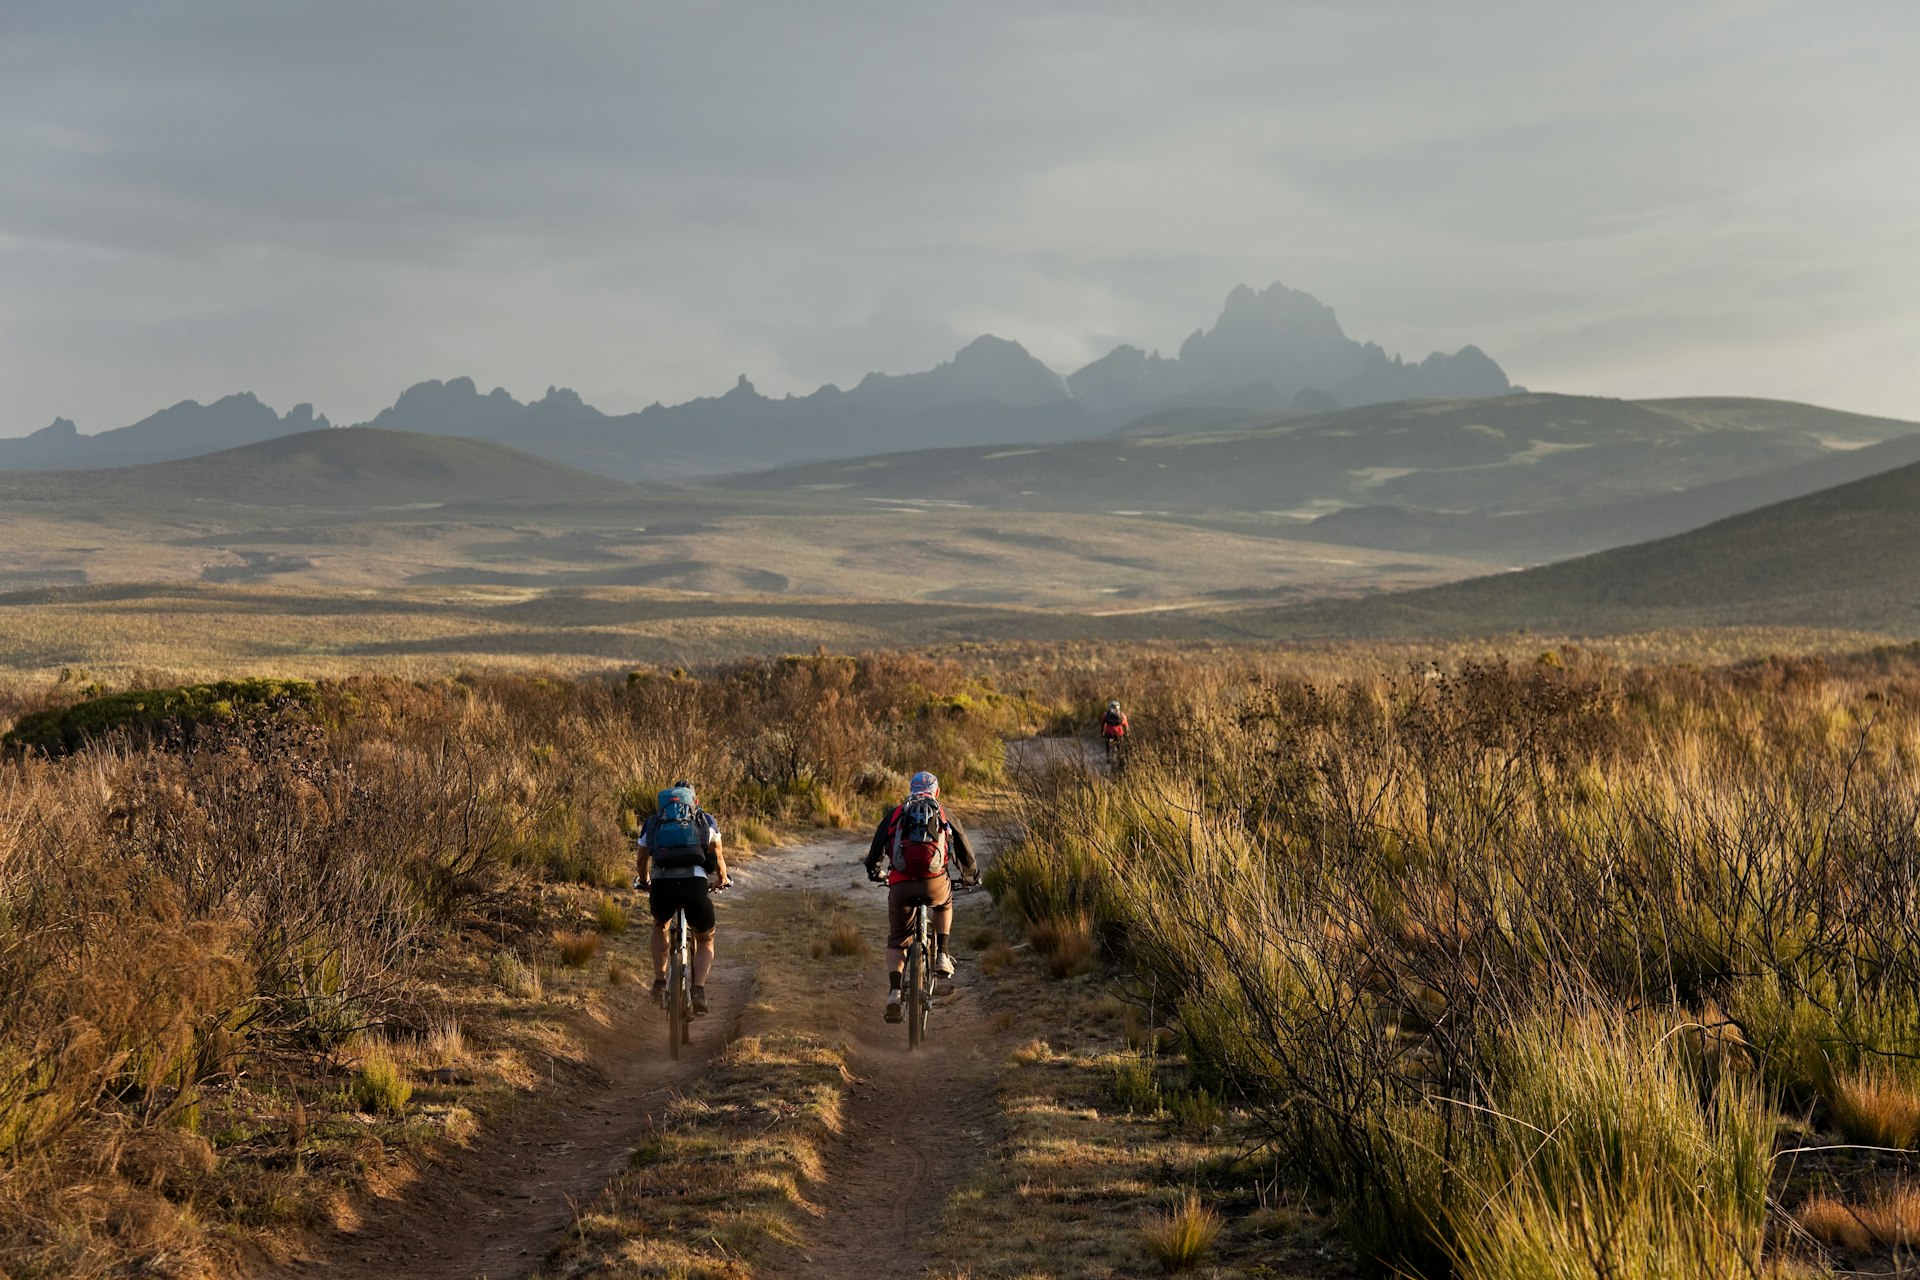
pixel 913 1121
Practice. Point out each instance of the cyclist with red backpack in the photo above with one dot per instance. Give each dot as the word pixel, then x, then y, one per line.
pixel 680 864
pixel 1113 725
pixel 917 841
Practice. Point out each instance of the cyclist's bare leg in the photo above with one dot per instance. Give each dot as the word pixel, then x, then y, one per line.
pixel 702 957
pixel 660 950
pixel 942 926
pixel 896 960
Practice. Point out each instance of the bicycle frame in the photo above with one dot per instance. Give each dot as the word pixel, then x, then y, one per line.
pixel 918 982
pixel 679 983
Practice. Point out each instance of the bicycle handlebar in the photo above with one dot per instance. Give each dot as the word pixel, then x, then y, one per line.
pixel 959 886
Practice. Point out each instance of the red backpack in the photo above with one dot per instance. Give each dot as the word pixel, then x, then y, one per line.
pixel 920 840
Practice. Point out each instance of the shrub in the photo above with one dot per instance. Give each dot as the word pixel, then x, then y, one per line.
pixel 1876 1107
pixel 610 916
pixel 845 939
pixel 1066 944
pixel 380 1087
pixel 1181 1238
pixel 146 712
pixel 514 976
pixel 1136 1086
pixel 577 950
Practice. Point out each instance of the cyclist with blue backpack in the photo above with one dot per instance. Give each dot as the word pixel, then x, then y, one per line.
pixel 680 864
pixel 917 841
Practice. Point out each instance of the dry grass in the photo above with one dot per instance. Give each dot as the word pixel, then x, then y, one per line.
pixel 1078 1172
pixel 996 958
pixel 610 916
pixel 515 976
pixel 1888 1217
pixel 844 938
pixel 577 950
pixel 1877 1107
pixel 1835 1224
pixel 446 1043
pixel 1181 1238
pixel 1528 891
pixel 1066 943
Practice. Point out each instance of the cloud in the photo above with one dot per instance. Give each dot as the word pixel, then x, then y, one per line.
pixel 328 202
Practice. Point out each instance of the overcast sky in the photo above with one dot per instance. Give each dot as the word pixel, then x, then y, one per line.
pixel 329 201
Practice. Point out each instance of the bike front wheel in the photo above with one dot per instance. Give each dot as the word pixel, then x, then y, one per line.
pixel 916 996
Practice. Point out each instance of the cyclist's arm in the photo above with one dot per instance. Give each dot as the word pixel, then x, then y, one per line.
pixel 877 849
pixel 643 861
pixel 712 848
pixel 962 850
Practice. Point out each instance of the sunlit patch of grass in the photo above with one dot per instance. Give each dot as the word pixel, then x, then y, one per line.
pixel 577 950
pixel 845 939
pixel 1835 1223
pixel 610 916
pixel 515 976
pixel 1877 1107
pixel 380 1086
pixel 1181 1239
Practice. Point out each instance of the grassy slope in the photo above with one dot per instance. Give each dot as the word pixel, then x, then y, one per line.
pixel 1847 556
pixel 350 469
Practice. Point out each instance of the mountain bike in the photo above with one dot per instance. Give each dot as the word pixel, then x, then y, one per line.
pixel 679 993
pixel 916 984
pixel 678 997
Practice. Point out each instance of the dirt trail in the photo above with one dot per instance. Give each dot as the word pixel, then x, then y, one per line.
pixel 915 1121
pixel 491 1211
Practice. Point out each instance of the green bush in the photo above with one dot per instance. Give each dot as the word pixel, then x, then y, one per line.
pixel 380 1087
pixel 148 712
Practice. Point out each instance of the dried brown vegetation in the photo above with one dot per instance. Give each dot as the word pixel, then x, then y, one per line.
pixel 217 948
pixel 1521 967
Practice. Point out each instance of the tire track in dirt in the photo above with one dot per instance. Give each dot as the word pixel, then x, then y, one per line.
pixel 913 1123
pixel 488 1211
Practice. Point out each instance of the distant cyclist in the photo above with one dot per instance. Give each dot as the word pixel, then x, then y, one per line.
pixel 680 862
pixel 916 841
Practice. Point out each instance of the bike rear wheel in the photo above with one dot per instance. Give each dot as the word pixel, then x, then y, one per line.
pixel 678 1000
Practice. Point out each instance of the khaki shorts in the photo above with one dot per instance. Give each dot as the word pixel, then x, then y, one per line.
pixel 902 898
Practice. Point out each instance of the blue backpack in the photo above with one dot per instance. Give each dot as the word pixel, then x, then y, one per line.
pixel 675 841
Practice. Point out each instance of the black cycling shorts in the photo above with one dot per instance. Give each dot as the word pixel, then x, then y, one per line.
pixel 669 896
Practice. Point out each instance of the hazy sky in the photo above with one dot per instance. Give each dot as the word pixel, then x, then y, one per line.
pixel 329 201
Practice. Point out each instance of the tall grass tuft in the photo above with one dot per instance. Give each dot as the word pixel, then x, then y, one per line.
pixel 610 916
pixel 1181 1238
pixel 380 1086
pixel 1875 1106
pixel 577 950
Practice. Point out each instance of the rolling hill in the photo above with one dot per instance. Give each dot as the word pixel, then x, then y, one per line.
pixel 340 469
pixel 1522 478
pixel 1845 557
